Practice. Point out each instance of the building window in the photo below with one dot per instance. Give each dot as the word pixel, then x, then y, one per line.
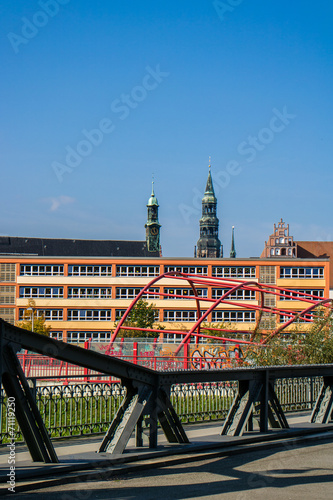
pixel 296 294
pixel 131 293
pixel 234 316
pixel 88 315
pixel 302 272
pixel 48 314
pixel 119 314
pixel 56 335
pixel 179 315
pixel 41 270
pixel 201 270
pixel 184 293
pixel 303 319
pixel 89 293
pixel 138 271
pixel 239 294
pixel 89 270
pixel 78 337
pixel 234 272
pixel 41 292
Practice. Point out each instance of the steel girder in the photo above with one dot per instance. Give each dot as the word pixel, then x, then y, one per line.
pixel 147 396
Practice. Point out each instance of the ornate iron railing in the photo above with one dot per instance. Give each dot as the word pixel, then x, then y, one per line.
pixel 84 408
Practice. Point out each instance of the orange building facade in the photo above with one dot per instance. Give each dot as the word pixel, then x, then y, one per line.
pixel 81 298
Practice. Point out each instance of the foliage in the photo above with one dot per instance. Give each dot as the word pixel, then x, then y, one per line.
pixel 315 346
pixel 39 322
pixel 142 315
pixel 219 332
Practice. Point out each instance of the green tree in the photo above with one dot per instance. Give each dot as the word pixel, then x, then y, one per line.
pixel 219 331
pixel 142 315
pixel 39 322
pixel 314 346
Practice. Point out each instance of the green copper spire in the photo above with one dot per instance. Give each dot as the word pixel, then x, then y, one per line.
pixel 152 200
pixel 233 250
pixel 152 225
pixel 209 185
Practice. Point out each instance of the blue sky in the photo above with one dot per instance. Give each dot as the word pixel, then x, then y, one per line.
pixel 166 84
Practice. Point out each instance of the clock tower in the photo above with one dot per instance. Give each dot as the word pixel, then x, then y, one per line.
pixel 209 245
pixel 153 226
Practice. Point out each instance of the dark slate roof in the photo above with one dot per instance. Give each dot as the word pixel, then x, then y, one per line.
pixel 55 247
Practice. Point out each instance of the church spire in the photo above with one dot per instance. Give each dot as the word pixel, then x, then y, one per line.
pixel 233 250
pixel 152 225
pixel 209 244
pixel 209 184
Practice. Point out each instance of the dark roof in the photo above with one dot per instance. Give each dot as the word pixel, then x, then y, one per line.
pixel 55 247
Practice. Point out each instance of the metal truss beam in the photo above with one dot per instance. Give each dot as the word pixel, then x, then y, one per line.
pixel 147 398
pixel 249 393
pixel 323 409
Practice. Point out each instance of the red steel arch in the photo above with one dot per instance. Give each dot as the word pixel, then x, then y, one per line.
pixel 233 285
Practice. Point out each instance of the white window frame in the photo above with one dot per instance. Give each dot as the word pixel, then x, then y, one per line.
pixel 88 270
pixel 41 270
pixel 88 315
pixel 138 271
pixel 40 292
pixel 89 292
pixel 293 272
pixel 234 316
pixel 234 271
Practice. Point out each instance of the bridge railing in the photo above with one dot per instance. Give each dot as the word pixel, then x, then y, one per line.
pixel 37 365
pixel 76 407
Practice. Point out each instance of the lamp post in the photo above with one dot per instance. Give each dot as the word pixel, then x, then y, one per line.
pixel 32 309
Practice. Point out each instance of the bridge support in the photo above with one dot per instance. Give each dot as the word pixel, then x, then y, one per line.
pixel 26 411
pixel 143 402
pixel 147 398
pixel 249 393
pixel 323 409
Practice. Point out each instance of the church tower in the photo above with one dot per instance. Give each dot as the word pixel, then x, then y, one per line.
pixel 209 245
pixel 153 226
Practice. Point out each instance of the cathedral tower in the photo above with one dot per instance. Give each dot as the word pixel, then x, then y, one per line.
pixel 209 245
pixel 153 226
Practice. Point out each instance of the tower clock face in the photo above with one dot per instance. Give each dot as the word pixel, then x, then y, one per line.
pixel 154 231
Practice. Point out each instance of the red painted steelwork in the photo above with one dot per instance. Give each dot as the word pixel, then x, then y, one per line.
pixel 233 285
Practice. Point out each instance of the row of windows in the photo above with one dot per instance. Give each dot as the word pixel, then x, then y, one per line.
pixel 41 270
pixel 302 272
pixel 234 272
pixel 89 270
pixel 131 293
pixel 48 314
pixel 105 293
pixel 72 314
pixel 217 271
pixel 281 251
pixel 41 292
pixel 217 316
pixel 297 294
pixel 303 319
pixel 76 337
pixel 183 293
pixel 137 270
pixel 89 293
pixel 89 315
pixel 236 295
pixel 202 270
pixel 232 316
